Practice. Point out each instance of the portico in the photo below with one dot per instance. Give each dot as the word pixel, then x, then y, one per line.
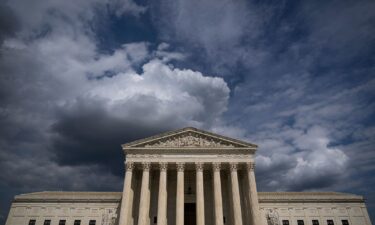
pixel 170 176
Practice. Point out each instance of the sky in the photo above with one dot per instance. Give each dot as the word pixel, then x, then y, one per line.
pixel 78 78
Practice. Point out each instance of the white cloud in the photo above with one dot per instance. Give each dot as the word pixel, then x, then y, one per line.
pixel 121 7
pixel 199 98
pixel 310 158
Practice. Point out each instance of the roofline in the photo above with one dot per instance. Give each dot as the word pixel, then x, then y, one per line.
pixel 309 197
pixel 170 133
pixel 115 197
pixel 68 196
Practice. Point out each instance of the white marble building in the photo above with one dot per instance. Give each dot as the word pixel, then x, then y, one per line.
pixel 187 177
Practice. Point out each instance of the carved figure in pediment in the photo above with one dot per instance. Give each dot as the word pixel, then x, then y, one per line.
pixel 189 140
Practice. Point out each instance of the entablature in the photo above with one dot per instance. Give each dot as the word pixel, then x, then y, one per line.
pixel 190 165
pixel 190 158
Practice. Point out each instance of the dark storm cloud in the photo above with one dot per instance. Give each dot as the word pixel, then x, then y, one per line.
pixel 9 23
pixel 88 134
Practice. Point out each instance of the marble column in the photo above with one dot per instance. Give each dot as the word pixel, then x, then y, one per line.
pixel 218 202
pixel 162 199
pixel 200 194
pixel 144 202
pixel 126 201
pixel 180 194
pixel 237 216
pixel 253 195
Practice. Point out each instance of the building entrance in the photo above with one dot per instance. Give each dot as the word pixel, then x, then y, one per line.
pixel 190 214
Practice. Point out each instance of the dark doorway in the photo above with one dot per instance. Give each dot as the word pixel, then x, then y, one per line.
pixel 189 214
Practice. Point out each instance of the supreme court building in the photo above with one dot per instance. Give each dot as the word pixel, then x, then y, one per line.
pixel 188 177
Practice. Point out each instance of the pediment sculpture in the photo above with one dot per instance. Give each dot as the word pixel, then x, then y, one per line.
pixel 189 140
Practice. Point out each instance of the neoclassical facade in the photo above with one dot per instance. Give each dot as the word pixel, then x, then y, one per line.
pixel 188 177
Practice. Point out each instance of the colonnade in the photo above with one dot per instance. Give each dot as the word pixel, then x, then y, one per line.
pixel 144 204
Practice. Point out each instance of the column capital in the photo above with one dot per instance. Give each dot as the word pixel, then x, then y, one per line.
pixel 199 166
pixel 163 166
pixel 146 166
pixel 216 166
pixel 129 166
pixel 233 167
pixel 180 167
pixel 250 166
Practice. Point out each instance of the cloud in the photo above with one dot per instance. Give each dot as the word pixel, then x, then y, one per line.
pixel 39 18
pixel 329 22
pixel 121 7
pixel 215 29
pixel 313 139
pixel 127 106
pixel 305 157
pixel 9 23
pixel 210 23
pixel 51 176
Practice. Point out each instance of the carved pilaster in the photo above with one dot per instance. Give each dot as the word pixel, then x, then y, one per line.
pixel 199 166
pixel 129 166
pixel 250 166
pixel 163 166
pixel 233 166
pixel 216 166
pixel 180 167
pixel 146 166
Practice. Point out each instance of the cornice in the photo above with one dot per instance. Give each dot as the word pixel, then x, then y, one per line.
pixel 308 197
pixel 115 197
pixel 69 197
pixel 189 150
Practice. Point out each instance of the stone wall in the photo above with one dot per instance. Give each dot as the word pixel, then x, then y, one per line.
pixel 103 207
pixel 56 206
pixel 315 206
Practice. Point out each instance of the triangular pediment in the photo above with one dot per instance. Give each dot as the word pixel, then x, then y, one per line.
pixel 188 138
